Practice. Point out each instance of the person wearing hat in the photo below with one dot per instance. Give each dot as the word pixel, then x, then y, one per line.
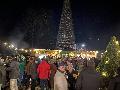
pixel 60 81
pixel 89 78
pixel 13 73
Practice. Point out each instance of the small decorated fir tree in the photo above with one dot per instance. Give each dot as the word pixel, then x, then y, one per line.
pixel 110 60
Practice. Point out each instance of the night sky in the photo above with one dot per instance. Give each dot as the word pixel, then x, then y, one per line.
pixel 94 21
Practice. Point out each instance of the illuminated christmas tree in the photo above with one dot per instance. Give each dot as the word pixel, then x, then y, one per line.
pixel 65 38
pixel 110 60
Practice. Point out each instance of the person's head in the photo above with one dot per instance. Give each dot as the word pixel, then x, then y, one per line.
pixel 61 66
pixel 1 61
pixel 68 62
pixel 85 62
pixel 14 59
pixel 118 70
pixel 32 59
pixel 51 62
pixel 44 60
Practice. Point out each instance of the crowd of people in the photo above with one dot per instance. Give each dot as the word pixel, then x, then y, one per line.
pixel 46 74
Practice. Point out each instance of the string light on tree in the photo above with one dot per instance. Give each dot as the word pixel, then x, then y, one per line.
pixel 106 62
pixel 65 38
pixel 117 42
pixel 104 74
pixel 5 43
pixel 110 60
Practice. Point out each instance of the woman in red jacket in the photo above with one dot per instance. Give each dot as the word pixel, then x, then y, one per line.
pixel 44 74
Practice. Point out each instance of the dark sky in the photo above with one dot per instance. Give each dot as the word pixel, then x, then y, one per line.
pixel 94 21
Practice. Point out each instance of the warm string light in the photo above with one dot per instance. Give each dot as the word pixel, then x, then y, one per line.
pixel 65 38
pixel 117 42
pixel 10 46
pixel 104 74
pixel 56 53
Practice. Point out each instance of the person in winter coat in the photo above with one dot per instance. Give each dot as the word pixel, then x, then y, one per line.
pixel 2 76
pixel 22 77
pixel 53 70
pixel 60 81
pixel 89 79
pixel 44 74
pixel 69 72
pixel 115 82
pixel 13 73
pixel 22 70
pixel 0 79
pixel 31 70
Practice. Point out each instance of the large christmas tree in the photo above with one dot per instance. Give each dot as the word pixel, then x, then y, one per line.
pixel 110 60
pixel 65 38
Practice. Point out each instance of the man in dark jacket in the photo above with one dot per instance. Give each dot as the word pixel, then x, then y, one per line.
pixel 0 79
pixel 53 70
pixel 13 73
pixel 2 76
pixel 115 82
pixel 89 79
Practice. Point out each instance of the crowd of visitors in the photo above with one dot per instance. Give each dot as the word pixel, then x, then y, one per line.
pixel 67 74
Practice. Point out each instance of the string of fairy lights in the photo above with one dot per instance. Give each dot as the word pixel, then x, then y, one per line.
pixel 12 47
pixel 53 53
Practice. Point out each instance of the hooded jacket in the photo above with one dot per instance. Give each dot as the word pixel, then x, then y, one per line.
pixel 89 79
pixel 13 70
pixel 43 70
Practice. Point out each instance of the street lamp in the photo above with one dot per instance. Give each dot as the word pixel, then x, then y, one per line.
pixel 83 45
